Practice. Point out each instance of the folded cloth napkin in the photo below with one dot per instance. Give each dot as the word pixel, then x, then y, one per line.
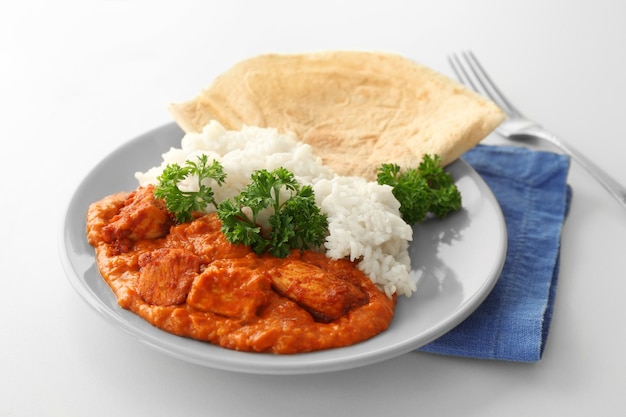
pixel 513 321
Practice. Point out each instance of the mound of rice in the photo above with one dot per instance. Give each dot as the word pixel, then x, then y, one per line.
pixel 364 218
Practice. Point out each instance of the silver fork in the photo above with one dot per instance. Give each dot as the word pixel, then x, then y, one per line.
pixel 471 73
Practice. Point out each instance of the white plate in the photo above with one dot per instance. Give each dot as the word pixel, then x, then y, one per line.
pixel 458 261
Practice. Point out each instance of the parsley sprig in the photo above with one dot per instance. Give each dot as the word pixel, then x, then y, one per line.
pixel 295 221
pixel 422 190
pixel 181 203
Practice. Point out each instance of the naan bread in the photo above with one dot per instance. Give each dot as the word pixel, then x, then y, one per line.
pixel 356 109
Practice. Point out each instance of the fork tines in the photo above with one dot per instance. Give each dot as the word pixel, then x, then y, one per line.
pixel 470 72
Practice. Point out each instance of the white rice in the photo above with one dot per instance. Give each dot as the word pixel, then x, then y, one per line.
pixel 364 218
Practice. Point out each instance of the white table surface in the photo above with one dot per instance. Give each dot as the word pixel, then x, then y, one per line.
pixel 79 79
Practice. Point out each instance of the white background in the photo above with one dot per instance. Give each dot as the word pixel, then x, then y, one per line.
pixel 79 79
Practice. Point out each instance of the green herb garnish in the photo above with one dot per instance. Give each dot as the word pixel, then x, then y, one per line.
pixel 182 204
pixel 295 221
pixel 422 190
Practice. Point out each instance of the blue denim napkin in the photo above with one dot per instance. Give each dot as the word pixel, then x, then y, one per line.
pixel 513 321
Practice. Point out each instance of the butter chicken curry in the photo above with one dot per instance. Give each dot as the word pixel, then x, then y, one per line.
pixel 187 279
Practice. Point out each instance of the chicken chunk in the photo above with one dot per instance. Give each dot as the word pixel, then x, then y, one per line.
pixel 230 288
pixel 100 213
pixel 142 217
pixel 166 275
pixel 323 294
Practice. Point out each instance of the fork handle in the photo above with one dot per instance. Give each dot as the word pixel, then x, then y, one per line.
pixel 612 186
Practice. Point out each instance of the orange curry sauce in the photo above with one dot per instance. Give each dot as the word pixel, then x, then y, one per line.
pixel 188 280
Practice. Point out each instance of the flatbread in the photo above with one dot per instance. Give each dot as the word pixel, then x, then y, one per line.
pixel 356 109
